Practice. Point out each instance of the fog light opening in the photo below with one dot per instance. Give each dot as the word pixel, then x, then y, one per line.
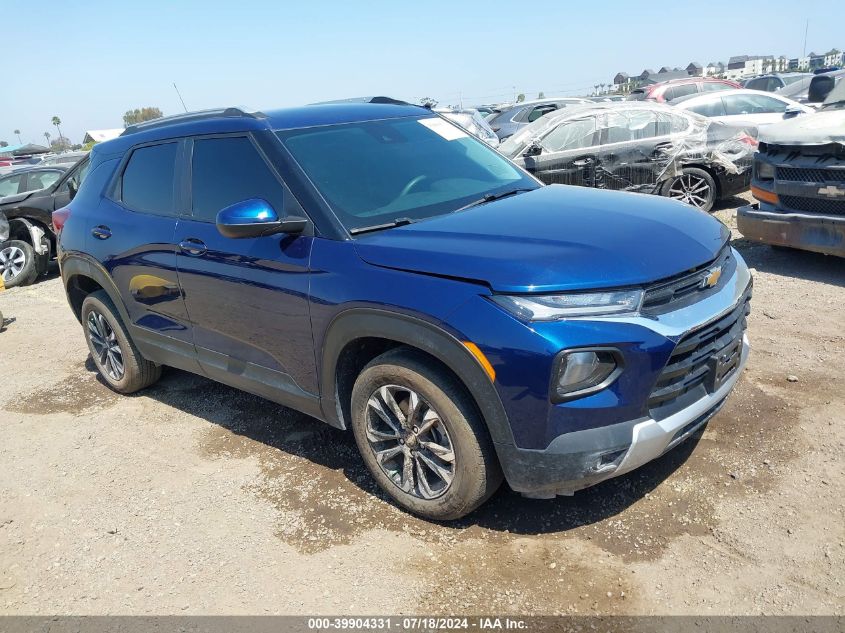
pixel 585 371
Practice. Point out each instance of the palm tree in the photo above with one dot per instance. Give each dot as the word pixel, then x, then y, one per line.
pixel 596 86
pixel 18 132
pixel 47 136
pixel 57 122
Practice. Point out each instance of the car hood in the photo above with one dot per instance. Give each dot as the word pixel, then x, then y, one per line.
pixel 554 238
pixel 827 126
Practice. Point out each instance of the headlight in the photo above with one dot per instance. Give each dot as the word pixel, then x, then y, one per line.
pixel 581 372
pixel 563 306
pixel 765 171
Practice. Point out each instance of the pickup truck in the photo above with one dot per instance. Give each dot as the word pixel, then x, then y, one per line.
pixel 798 180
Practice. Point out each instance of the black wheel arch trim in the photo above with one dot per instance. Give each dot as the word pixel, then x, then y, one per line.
pixel 74 264
pixel 357 323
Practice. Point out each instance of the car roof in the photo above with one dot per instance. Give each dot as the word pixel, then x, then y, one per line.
pixel 241 120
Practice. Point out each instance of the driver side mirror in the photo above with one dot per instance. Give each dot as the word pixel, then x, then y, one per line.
pixel 72 187
pixel 533 149
pixel 256 218
pixel 791 112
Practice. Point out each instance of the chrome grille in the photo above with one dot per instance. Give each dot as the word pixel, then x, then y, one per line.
pixel 701 361
pixel 689 287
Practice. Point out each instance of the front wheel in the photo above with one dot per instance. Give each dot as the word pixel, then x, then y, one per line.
pixel 694 187
pixel 421 436
pixel 17 263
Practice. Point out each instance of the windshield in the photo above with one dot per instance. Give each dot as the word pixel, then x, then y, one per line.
pixel 375 172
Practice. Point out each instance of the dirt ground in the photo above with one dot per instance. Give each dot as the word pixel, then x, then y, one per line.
pixel 195 498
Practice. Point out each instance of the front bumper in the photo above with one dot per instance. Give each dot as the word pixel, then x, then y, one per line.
pixel 578 462
pixel 585 457
pixel 818 233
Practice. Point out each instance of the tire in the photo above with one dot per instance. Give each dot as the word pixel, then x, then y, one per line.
pixel 101 319
pixel 456 430
pixel 688 188
pixel 17 263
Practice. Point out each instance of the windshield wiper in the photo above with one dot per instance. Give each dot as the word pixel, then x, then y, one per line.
pixel 381 227
pixel 490 197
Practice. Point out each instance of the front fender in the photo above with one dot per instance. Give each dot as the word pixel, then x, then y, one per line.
pixel 358 323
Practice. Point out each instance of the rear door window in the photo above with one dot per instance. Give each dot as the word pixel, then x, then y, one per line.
pixel 571 135
pixel 714 86
pixel 712 107
pixel 148 179
pixel 673 92
pixel 539 111
pixel 752 104
pixel 228 170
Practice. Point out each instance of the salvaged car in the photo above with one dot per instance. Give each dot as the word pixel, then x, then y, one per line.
pixel 637 146
pixel 799 182
pixel 31 244
pixel 380 269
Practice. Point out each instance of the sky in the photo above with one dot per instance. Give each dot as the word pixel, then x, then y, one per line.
pixel 89 61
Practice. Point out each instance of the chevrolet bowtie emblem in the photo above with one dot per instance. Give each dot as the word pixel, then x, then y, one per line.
pixel 712 278
pixel 832 191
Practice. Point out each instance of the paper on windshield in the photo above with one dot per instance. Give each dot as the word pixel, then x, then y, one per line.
pixel 443 128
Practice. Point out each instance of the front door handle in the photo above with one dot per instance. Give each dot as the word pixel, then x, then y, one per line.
pixel 192 246
pixel 101 232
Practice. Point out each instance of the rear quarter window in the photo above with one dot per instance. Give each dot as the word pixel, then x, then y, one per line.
pixel 147 183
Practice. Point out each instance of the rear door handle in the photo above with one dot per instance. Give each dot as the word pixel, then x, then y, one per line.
pixel 101 232
pixel 192 246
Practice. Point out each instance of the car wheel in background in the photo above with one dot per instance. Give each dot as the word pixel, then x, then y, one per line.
pixel 17 263
pixel 421 436
pixel 694 186
pixel 116 357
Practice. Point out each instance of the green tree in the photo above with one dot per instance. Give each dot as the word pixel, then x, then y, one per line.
pixel 428 102
pixel 4 144
pixel 139 115
pixel 57 122
pixel 47 136
pixel 18 132
pixel 520 98
pixel 541 95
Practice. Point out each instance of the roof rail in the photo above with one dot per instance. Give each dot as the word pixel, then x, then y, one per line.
pixel 379 99
pixel 187 117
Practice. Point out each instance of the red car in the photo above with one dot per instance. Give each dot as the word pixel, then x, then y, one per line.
pixel 666 91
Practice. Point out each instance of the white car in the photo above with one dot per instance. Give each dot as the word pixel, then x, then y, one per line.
pixel 741 106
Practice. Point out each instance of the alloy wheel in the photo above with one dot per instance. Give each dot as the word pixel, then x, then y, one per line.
pixel 12 261
pixel 410 442
pixel 691 189
pixel 106 347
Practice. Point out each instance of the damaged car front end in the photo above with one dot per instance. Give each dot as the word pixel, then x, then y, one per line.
pixel 799 182
pixel 640 147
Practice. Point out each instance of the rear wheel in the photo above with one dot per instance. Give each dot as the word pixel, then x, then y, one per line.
pixel 115 355
pixel 421 437
pixel 694 187
pixel 17 263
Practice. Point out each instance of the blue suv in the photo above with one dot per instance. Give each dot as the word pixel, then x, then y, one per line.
pixel 376 267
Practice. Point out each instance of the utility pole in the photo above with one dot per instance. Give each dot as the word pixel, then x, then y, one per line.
pixel 806 26
pixel 180 96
